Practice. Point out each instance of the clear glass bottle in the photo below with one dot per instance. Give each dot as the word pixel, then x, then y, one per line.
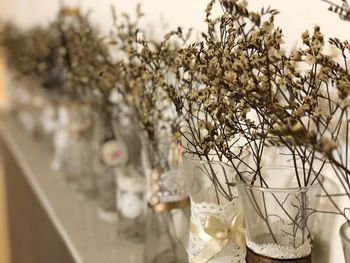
pixel 60 138
pixel 49 122
pixel 78 151
pixel 30 105
pixel 87 179
pixel 77 132
pixel 104 149
pixel 70 7
pixel 130 183
pixel 168 217
pixel 131 204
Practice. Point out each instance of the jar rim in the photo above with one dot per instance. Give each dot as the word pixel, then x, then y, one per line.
pixel 193 157
pixel 320 177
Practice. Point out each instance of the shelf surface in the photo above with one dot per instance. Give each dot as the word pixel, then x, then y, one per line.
pixel 88 239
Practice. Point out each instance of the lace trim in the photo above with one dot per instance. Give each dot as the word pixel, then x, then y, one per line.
pixel 292 247
pixel 279 251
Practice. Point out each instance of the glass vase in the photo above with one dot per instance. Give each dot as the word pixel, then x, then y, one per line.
pixel 48 123
pixel 106 193
pixel 30 106
pixel 279 218
pixel 60 139
pixel 167 218
pixel 14 89
pixel 78 155
pixel 216 226
pixel 131 204
pixel 70 7
pixel 345 238
pixel 39 101
pixel 78 151
pixel 104 145
pixel 130 183
pixel 86 183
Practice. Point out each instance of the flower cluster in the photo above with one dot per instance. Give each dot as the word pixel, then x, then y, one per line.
pixel 235 92
pixel 142 73
pixel 33 53
pixel 239 89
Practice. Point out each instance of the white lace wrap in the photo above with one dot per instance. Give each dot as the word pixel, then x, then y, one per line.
pixel 167 187
pixel 231 253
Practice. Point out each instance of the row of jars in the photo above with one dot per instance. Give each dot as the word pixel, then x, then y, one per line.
pixel 197 211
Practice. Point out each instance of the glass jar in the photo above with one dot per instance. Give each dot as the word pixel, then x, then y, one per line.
pixel 279 214
pixel 30 103
pixel 14 89
pixel 345 238
pixel 38 102
pixel 216 233
pixel 60 138
pixel 106 153
pixel 78 151
pixel 168 217
pixel 86 179
pixel 106 192
pixel 75 132
pixel 49 122
pixel 70 7
pixel 131 204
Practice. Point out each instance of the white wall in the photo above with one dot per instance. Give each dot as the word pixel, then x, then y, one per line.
pixel 295 17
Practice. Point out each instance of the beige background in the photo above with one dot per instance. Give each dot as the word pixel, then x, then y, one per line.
pixel 295 17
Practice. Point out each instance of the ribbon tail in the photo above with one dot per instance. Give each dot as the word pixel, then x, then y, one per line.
pixel 211 249
pixel 238 228
pixel 240 238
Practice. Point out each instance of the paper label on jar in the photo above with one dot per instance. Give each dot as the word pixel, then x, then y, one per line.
pixel 113 153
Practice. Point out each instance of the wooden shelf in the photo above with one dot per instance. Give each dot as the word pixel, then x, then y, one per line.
pixel 46 214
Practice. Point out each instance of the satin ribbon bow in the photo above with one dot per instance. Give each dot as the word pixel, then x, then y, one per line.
pixel 217 235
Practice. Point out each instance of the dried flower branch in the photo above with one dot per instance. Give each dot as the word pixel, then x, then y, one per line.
pixel 142 72
pixel 86 60
pixel 33 53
